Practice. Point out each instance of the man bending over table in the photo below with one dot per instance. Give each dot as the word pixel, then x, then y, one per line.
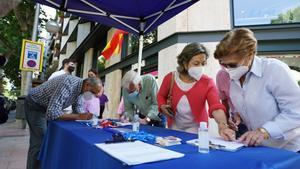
pixel 47 101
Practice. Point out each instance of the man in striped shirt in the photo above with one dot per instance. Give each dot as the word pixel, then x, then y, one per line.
pixel 47 101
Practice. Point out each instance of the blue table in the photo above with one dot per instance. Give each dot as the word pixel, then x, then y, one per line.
pixel 70 145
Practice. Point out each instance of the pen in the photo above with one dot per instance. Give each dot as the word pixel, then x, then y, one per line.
pixel 216 146
pixel 117 141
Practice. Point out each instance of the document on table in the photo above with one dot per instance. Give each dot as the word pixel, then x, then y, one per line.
pixel 134 153
pixel 219 143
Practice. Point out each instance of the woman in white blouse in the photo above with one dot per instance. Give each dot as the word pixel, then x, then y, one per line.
pixel 262 91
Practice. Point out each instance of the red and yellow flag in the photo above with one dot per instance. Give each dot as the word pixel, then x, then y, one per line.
pixel 114 46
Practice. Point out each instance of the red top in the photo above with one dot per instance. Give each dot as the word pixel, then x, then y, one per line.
pixel 202 91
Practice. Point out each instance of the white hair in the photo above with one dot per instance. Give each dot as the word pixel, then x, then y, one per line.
pixel 130 77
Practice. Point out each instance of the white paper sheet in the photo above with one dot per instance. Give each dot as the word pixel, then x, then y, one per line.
pixel 219 143
pixel 134 153
pixel 85 121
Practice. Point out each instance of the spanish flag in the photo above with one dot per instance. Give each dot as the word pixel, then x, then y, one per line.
pixel 114 46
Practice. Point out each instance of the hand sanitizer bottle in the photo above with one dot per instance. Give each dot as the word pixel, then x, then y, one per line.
pixel 135 121
pixel 95 121
pixel 203 138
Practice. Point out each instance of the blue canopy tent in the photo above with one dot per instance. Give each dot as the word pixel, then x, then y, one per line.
pixel 134 16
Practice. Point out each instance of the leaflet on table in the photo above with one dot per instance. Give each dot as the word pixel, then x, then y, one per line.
pixel 134 153
pixel 168 141
pixel 219 143
pixel 85 121
pixel 123 123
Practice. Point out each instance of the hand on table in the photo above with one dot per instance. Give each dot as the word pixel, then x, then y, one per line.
pixel 85 116
pixel 143 121
pixel 253 138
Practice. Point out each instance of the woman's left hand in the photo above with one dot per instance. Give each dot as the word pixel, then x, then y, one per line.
pixel 143 121
pixel 252 138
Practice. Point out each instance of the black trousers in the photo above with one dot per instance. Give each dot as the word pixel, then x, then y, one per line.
pixel 102 107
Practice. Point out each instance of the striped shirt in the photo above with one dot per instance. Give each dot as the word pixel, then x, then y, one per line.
pixel 223 85
pixel 57 94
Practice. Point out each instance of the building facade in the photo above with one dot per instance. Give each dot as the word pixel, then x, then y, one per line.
pixel 206 22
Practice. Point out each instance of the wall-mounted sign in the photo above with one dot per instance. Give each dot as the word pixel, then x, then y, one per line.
pixel 31 56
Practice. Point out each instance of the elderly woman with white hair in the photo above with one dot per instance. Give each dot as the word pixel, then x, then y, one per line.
pixel 141 91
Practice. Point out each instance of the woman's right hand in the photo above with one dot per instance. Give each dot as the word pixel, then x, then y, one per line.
pixel 234 121
pixel 225 132
pixel 165 109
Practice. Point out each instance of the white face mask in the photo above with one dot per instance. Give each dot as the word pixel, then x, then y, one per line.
pixel 133 94
pixel 237 73
pixel 196 72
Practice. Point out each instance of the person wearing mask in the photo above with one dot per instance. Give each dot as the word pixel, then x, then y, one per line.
pixel 223 86
pixel 67 68
pixel 47 101
pixel 140 92
pixel 262 90
pixel 183 94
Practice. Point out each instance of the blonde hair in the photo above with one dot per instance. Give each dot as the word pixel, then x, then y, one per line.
pixel 240 41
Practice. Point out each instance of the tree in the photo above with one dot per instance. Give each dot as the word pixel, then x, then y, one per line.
pixel 149 38
pixel 14 27
pixel 291 16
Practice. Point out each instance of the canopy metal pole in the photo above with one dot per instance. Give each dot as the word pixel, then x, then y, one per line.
pixel 141 41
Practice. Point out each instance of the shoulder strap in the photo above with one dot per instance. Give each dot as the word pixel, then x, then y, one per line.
pixel 171 86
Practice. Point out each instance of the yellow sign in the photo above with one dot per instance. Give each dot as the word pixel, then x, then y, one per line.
pixel 32 56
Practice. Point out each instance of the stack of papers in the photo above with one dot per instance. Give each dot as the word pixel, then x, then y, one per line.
pixel 219 143
pixel 168 141
pixel 133 153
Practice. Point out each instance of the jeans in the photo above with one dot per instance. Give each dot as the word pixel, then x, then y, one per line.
pixel 37 123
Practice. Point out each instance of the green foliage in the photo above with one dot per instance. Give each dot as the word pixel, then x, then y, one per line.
pixel 149 38
pixel 14 27
pixel 299 82
pixel 291 16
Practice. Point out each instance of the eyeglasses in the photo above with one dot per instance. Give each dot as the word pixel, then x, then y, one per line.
pixel 229 65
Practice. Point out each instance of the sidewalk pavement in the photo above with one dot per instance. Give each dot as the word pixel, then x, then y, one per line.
pixel 14 143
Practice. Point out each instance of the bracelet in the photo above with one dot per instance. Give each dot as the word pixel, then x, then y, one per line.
pixel 264 132
pixel 223 123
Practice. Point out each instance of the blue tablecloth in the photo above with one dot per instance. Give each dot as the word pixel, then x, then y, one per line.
pixel 70 145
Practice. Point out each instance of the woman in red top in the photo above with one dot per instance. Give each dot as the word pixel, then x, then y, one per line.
pixel 190 91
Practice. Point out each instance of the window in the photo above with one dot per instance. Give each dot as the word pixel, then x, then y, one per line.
pixel 133 41
pixel 265 12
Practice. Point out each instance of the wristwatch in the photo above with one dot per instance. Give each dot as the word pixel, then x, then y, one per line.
pixel 148 119
pixel 264 132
